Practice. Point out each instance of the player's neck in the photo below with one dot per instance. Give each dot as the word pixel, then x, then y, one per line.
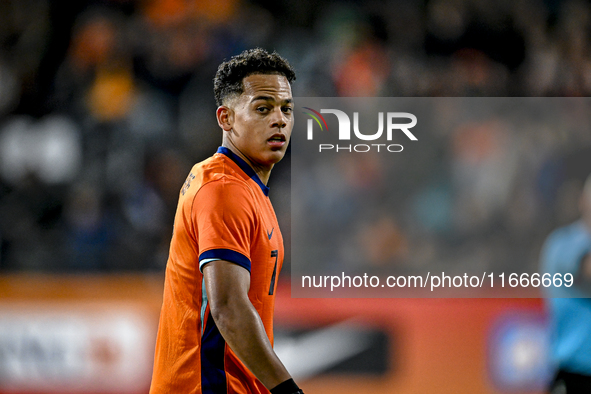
pixel 263 172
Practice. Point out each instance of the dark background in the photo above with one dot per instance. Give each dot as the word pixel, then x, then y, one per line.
pixel 105 106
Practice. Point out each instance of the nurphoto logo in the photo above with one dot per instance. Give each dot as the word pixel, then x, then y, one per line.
pixel 344 134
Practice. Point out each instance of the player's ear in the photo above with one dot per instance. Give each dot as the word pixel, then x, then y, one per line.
pixel 225 117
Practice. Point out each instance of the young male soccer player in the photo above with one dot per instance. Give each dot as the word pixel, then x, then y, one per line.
pixel 216 325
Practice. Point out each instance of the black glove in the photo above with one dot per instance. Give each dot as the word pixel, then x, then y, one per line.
pixel 287 387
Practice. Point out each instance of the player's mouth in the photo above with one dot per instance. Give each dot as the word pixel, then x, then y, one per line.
pixel 277 140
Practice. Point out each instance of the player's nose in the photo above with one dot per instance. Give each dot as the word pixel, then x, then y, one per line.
pixel 279 119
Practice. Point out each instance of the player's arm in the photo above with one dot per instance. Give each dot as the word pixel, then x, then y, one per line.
pixel 227 286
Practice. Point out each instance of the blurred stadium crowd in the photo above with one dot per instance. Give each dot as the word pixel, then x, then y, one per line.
pixel 105 105
pixel 478 192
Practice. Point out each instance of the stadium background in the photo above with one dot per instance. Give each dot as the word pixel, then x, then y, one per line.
pixel 105 105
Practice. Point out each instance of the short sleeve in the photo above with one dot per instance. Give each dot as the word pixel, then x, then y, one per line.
pixel 223 213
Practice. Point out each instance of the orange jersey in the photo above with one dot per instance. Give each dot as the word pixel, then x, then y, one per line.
pixel 224 212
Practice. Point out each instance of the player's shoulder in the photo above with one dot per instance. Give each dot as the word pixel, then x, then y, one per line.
pixel 220 175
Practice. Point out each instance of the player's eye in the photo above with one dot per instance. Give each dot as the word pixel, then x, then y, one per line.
pixel 287 110
pixel 262 110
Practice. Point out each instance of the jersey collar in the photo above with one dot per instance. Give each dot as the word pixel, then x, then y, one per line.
pixel 244 167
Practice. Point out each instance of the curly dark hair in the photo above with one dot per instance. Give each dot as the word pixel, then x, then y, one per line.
pixel 228 78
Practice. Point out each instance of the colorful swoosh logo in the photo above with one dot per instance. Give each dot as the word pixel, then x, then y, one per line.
pixel 315 115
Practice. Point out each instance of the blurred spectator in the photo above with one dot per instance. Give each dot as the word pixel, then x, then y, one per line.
pixel 89 236
pixel 49 148
pixel 483 165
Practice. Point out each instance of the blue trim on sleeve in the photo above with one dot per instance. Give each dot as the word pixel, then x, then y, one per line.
pixel 223 254
pixel 205 261
pixel 245 167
